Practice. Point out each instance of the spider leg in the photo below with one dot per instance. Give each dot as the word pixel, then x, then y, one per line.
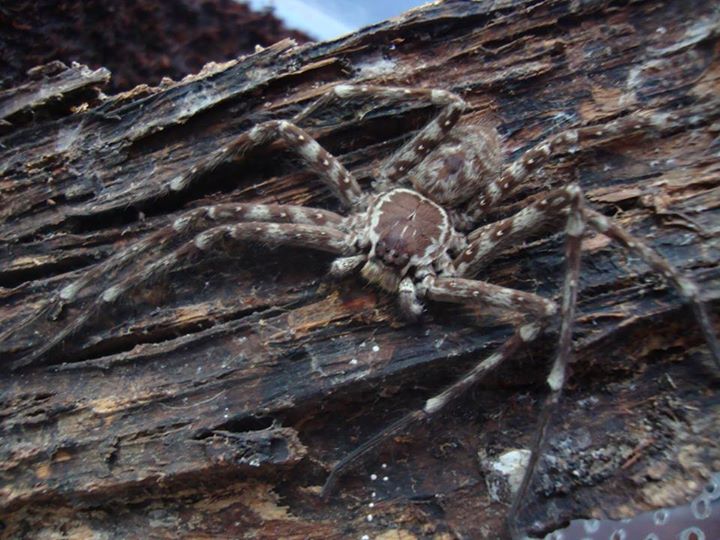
pixel 687 289
pixel 488 242
pixel 569 141
pixel 340 181
pixel 190 222
pixel 414 151
pixel 343 266
pixel 534 307
pixel 556 379
pixel 306 227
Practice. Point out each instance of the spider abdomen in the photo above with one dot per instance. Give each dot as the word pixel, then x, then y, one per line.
pixel 457 169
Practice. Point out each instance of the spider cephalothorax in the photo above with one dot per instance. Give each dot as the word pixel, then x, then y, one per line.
pixel 405 231
pixel 406 236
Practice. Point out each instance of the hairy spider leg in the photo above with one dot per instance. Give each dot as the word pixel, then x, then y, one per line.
pixel 289 225
pixel 397 166
pixel 569 141
pixel 329 169
pixel 685 286
pixel 556 379
pixel 488 242
pixel 535 309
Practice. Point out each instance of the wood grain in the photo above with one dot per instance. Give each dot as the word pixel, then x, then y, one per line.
pixel 213 402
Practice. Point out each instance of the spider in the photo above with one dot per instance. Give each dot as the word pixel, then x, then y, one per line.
pixel 408 235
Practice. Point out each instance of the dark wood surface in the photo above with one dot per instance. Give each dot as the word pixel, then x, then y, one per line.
pixel 213 402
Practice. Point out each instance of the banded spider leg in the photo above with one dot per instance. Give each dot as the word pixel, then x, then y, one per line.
pixel 272 224
pixel 200 230
pixel 536 312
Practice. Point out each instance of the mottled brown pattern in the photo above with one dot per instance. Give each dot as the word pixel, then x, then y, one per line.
pixel 409 226
pixel 213 400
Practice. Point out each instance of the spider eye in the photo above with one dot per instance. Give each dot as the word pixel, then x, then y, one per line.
pixel 380 248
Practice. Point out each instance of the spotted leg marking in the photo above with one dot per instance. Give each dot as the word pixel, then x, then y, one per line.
pixel 344 266
pixel 687 289
pixel 274 213
pixel 534 307
pixel 410 304
pixel 300 230
pixel 569 141
pixel 323 163
pixel 488 242
pixel 467 291
pixel 428 138
pixel 556 379
pixel 413 152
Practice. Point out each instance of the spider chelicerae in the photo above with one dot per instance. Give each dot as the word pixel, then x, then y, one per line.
pixel 413 234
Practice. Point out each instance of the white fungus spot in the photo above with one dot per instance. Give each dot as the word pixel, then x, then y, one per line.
pixel 376 348
pixel 369 517
pixel 373 477
pixel 385 478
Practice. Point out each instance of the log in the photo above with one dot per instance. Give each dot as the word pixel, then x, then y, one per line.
pixel 214 401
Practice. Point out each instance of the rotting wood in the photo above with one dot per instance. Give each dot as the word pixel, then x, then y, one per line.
pixel 214 401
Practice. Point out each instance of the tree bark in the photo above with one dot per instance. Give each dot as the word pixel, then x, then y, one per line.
pixel 213 402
